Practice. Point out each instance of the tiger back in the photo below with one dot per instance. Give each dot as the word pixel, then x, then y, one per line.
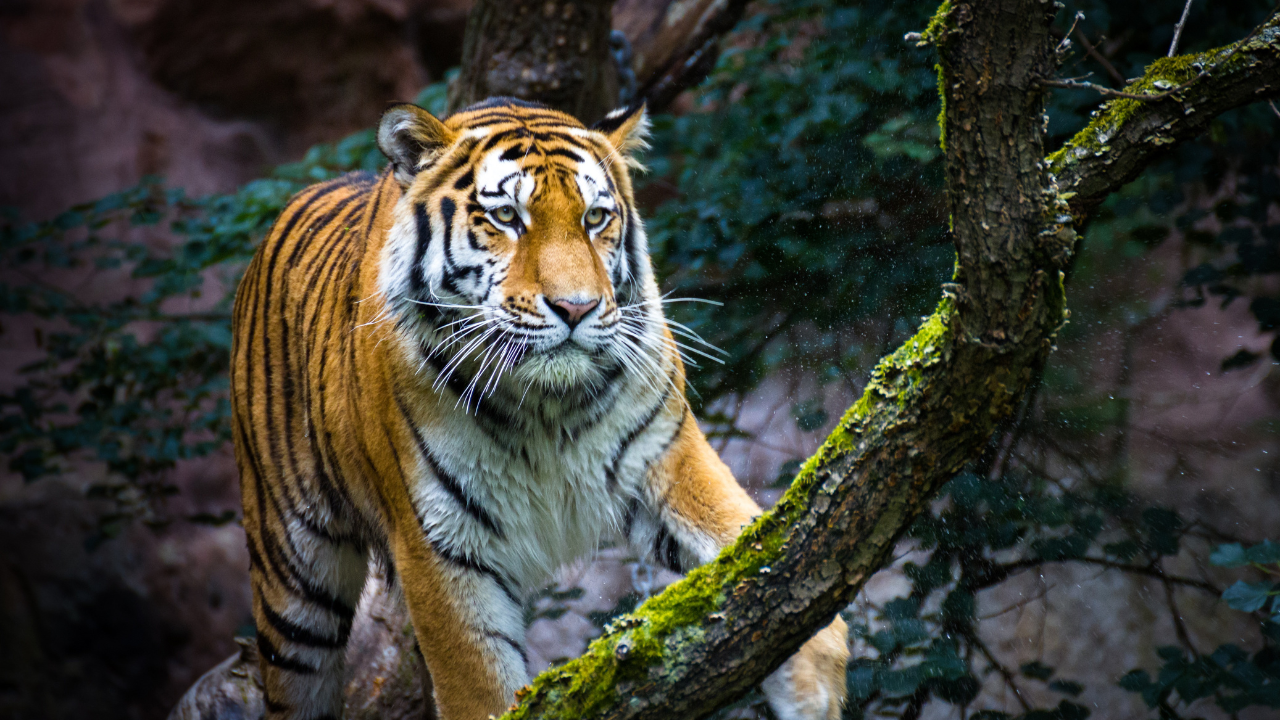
pixel 461 367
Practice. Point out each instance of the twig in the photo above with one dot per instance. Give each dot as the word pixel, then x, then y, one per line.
pixel 1274 109
pixel 1150 571
pixel 1044 592
pixel 1076 85
pixel 1008 676
pixel 1066 39
pixel 1179 627
pixel 1102 60
pixel 1177 30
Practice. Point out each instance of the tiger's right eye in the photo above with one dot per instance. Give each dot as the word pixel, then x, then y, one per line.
pixel 505 214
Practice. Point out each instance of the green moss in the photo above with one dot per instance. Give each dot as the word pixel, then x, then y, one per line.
pixel 942 108
pixel 932 35
pixel 1160 76
pixel 937 27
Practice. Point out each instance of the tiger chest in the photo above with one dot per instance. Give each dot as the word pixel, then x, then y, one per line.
pixel 527 505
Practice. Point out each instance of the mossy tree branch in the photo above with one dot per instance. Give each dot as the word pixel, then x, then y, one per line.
pixel 1127 135
pixel 933 404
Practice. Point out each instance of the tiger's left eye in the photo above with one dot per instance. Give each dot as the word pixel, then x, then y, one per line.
pixel 504 214
pixel 595 216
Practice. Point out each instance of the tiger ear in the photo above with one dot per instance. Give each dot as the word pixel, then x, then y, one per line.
pixel 411 137
pixel 628 131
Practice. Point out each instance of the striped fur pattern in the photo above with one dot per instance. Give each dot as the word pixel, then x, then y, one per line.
pixel 460 368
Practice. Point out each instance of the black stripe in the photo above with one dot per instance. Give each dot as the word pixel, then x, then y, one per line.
pixel 451 268
pixel 477 566
pixel 562 152
pixel 629 517
pixel 611 122
pixel 268 652
pixel 630 248
pixel 505 136
pixel 334 492
pixel 611 471
pixel 464 180
pixel 303 636
pixel 510 641
pixel 272 705
pixel 329 188
pixel 514 152
pixel 666 550
pixel 495 423
pixel 303 587
pixel 461 157
pixel 378 192
pixel 444 552
pixel 449 482
pixel 417 273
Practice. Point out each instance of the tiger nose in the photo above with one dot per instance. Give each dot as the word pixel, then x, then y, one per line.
pixel 571 312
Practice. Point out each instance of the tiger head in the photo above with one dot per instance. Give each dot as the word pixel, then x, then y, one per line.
pixel 516 249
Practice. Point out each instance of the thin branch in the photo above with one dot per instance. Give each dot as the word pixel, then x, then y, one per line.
pixel 1179 627
pixel 1177 30
pixel 1077 85
pixel 1149 571
pixel 1066 38
pixel 1005 673
pixel 1102 59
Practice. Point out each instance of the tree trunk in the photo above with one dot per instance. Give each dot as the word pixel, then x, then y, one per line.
pixel 556 53
pixel 931 405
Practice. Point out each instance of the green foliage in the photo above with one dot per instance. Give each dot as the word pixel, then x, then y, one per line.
pixel 808 181
pixel 1233 677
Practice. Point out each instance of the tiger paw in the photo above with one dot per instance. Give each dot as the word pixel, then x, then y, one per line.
pixel 810 685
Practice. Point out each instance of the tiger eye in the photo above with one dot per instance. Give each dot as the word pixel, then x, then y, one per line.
pixel 505 214
pixel 595 215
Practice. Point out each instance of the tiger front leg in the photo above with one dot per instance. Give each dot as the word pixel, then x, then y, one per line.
pixel 470 627
pixel 305 590
pixel 693 508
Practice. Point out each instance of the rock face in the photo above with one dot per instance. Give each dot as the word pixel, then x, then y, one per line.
pixel 208 94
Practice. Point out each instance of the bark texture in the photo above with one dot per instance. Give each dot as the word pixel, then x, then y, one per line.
pixel 677 47
pixel 556 53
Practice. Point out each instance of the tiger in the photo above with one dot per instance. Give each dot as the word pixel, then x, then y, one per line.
pixel 459 370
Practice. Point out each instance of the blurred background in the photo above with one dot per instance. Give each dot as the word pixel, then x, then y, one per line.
pixel 1078 567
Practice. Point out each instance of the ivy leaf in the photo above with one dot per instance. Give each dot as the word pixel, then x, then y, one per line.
pixel 1036 670
pixel 1231 555
pixel 1247 597
pixel 1066 687
pixel 1264 553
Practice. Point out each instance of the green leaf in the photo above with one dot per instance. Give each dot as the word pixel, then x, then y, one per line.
pixel 1247 597
pixel 1036 670
pixel 1231 555
pixel 1264 553
pixel 1067 687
